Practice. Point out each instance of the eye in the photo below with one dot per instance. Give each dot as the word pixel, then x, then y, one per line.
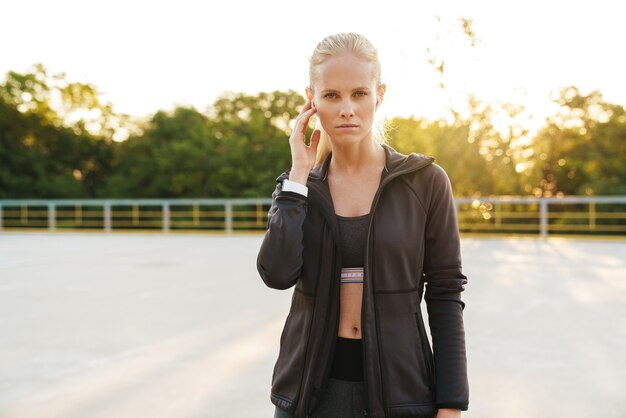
pixel 330 95
pixel 361 93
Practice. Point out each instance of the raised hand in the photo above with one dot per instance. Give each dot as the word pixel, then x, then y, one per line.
pixel 302 155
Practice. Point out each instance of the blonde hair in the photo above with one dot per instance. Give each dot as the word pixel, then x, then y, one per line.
pixel 336 45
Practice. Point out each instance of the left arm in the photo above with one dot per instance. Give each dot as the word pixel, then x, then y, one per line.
pixel 444 284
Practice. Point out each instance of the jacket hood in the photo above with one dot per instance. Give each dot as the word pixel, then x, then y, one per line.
pixel 396 165
pixel 395 162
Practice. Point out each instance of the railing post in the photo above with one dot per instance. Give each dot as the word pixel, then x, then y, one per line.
pixel 166 217
pixel 196 214
pixel 498 215
pixel 592 215
pixel 23 214
pixel 543 216
pixel 259 214
pixel 135 214
pixel 107 217
pixel 228 206
pixel 51 217
pixel 78 214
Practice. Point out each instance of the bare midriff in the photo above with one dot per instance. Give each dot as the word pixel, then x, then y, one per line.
pixel 352 196
pixel 351 295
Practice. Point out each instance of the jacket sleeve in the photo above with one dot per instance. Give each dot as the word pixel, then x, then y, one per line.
pixel 444 284
pixel 279 261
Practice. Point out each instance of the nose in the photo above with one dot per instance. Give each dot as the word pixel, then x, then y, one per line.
pixel 347 109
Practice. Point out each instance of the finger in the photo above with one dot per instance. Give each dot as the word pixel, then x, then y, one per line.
pixel 306 112
pixel 306 107
pixel 303 120
pixel 315 139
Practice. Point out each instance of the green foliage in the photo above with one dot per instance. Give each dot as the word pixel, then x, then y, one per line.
pixel 56 141
pixel 237 152
pixel 253 132
pixel 172 158
pixel 62 103
pixel 40 159
pixel 448 144
pixel 582 149
pixel 478 159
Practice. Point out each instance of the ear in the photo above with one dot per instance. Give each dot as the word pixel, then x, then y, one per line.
pixel 380 94
pixel 309 93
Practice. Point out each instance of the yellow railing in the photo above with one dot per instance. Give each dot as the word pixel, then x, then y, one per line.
pixel 600 215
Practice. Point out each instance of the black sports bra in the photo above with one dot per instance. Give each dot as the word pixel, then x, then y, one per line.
pixel 353 234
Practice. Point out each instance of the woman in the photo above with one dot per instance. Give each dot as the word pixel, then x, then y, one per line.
pixel 360 230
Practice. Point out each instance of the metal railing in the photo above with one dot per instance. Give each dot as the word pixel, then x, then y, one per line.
pixel 134 214
pixel 570 215
pixel 582 215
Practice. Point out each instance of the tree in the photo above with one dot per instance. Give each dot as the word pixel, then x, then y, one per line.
pixel 582 148
pixel 253 132
pixel 42 154
pixel 171 158
pixel 237 149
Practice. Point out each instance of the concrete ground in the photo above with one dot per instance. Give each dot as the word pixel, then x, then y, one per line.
pixel 151 325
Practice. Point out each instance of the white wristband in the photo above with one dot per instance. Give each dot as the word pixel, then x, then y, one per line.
pixel 294 186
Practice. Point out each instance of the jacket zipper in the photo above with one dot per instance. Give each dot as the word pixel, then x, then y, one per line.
pixel 370 244
pixel 366 277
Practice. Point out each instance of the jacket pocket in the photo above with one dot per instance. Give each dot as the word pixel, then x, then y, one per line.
pixel 404 368
pixel 428 354
pixel 289 367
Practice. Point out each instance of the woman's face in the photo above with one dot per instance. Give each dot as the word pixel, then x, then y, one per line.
pixel 345 95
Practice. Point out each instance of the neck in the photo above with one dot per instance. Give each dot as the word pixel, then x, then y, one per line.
pixel 354 158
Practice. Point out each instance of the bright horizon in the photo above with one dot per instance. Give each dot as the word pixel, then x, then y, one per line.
pixel 149 56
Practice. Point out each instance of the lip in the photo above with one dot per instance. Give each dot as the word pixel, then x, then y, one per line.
pixel 348 126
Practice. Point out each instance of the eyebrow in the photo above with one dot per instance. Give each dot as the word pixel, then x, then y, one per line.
pixel 337 91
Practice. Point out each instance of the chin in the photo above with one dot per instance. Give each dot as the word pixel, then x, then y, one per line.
pixel 347 139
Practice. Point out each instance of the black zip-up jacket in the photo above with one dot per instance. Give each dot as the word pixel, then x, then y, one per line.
pixel 413 244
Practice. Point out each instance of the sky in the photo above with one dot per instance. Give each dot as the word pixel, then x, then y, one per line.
pixel 150 55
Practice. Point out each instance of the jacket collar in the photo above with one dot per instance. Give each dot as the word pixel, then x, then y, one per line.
pixel 396 165
pixel 396 162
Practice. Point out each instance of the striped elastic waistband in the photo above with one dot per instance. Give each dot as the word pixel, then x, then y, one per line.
pixel 352 275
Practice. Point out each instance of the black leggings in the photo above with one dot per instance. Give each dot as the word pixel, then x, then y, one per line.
pixel 348 360
pixel 345 396
pixel 342 399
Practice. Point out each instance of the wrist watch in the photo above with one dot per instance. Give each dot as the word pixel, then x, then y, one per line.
pixel 294 186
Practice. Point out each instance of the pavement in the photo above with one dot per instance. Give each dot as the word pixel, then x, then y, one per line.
pixel 180 325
